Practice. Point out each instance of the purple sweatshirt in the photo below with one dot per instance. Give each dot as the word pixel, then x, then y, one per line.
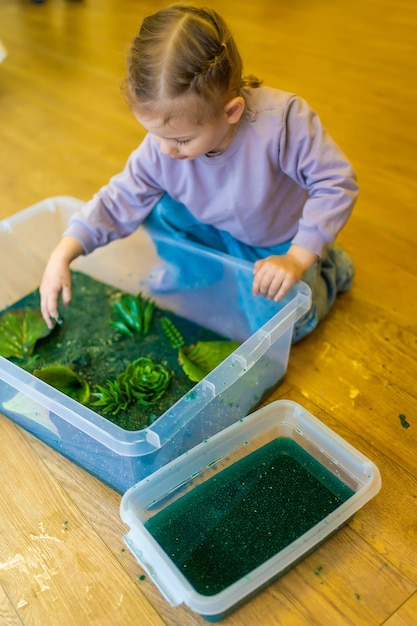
pixel 282 178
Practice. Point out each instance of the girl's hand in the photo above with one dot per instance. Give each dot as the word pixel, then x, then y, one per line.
pixel 275 275
pixel 56 279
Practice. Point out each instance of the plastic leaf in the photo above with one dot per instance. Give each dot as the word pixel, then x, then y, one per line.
pixel 200 358
pixel 20 329
pixel 66 380
pixel 133 314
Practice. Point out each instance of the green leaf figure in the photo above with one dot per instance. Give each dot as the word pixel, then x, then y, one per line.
pixel 66 380
pixel 111 397
pixel 172 333
pixel 200 358
pixel 133 314
pixel 142 381
pixel 20 329
pixel 145 380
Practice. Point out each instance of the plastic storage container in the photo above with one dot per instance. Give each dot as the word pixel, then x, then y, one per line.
pixel 220 522
pixel 213 290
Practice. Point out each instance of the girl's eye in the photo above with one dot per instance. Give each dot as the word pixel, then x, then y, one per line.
pixel 181 143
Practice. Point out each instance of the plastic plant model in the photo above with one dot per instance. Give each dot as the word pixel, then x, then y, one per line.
pixel 66 380
pixel 20 329
pixel 134 314
pixel 200 358
pixel 142 381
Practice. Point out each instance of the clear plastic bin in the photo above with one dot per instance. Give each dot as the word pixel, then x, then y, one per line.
pixel 214 291
pixel 196 520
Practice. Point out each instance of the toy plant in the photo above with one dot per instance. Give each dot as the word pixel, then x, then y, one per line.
pixel 200 358
pixel 142 381
pixel 133 314
pixel 66 380
pixel 20 329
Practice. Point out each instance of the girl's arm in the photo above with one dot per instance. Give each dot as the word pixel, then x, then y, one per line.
pixel 114 212
pixel 310 157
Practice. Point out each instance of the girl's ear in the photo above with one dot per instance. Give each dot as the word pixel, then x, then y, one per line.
pixel 234 109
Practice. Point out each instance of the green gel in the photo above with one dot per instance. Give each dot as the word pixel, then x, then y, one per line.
pixel 239 518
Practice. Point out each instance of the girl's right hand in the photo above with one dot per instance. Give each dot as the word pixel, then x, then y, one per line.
pixel 56 279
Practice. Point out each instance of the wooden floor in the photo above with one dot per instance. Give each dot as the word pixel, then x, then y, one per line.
pixel 64 130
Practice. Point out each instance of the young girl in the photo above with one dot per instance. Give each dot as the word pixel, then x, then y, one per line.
pixel 244 169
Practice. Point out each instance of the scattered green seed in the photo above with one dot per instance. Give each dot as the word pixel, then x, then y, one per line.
pixel 403 421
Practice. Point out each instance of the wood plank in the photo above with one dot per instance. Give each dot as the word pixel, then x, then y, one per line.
pixel 406 614
pixel 347 582
pixel 100 505
pixel 398 291
pixel 54 566
pixel 348 370
pixel 8 614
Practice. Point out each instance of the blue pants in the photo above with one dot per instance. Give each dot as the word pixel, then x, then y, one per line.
pixel 330 275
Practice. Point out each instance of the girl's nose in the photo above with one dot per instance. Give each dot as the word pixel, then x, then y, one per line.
pixel 167 148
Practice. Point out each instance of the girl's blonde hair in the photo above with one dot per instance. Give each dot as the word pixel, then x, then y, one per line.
pixel 184 50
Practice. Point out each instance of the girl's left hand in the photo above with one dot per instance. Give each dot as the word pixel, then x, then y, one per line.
pixel 275 275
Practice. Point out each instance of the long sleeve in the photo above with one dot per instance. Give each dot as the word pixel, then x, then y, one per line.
pixel 310 157
pixel 118 208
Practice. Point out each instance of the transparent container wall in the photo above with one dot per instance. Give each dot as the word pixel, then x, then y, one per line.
pixel 212 290
pixel 280 419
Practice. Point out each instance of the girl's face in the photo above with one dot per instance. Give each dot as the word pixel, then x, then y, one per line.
pixel 182 137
